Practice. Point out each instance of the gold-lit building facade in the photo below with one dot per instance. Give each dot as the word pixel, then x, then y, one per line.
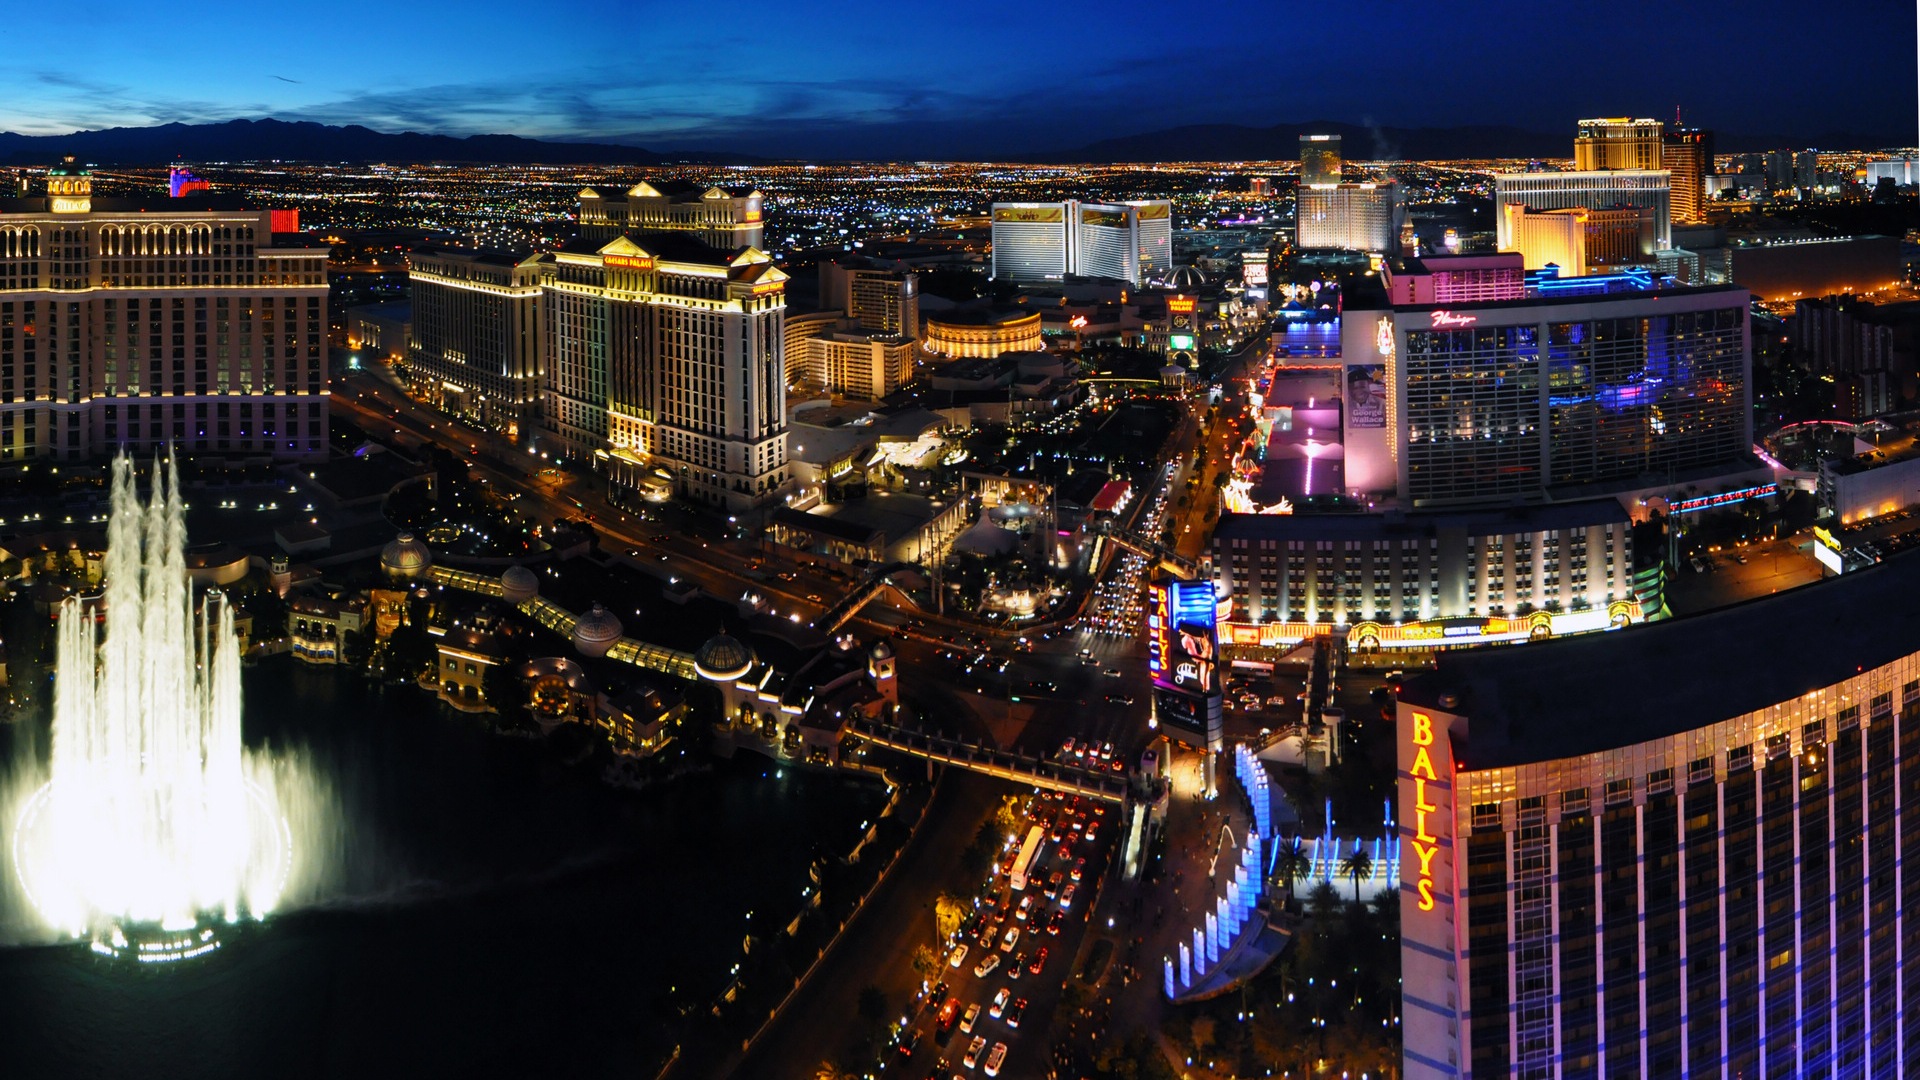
pixel 146 323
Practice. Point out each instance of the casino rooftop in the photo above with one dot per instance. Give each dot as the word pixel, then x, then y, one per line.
pixel 1585 695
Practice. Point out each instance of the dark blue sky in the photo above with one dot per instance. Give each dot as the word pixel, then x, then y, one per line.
pixel 911 79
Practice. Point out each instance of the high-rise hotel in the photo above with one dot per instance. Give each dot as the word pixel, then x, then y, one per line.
pixel 1603 189
pixel 1686 849
pixel 651 347
pixel 141 323
pixel 1039 242
pixel 725 217
pixel 665 360
pixel 475 348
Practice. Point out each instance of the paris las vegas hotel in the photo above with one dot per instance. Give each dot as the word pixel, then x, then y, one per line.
pixel 190 322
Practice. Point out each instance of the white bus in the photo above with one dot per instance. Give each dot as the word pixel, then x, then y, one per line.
pixel 1029 854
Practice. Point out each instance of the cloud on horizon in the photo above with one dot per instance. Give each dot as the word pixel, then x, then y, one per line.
pixel 878 79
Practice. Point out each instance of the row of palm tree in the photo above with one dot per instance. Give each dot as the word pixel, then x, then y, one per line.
pixel 1293 863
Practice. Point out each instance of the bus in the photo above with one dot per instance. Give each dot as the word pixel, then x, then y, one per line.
pixel 1029 854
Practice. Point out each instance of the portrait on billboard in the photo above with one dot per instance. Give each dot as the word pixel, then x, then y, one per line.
pixel 1367 396
pixel 1193 658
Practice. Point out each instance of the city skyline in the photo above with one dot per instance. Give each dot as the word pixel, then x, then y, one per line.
pixel 793 85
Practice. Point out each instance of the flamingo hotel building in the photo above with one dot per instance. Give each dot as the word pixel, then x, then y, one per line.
pixel 1678 850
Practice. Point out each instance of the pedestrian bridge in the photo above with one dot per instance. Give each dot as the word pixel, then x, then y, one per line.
pixel 849 605
pixel 1159 554
pixel 1051 775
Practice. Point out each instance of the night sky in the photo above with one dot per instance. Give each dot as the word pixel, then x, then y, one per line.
pixel 909 78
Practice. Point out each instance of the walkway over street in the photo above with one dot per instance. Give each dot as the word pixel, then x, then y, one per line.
pixel 1051 775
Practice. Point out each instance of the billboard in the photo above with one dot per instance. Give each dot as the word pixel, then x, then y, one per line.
pixel 1367 396
pixel 1183 650
pixel 1827 551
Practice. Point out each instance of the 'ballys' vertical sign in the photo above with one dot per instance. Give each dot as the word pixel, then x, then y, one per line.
pixel 1422 814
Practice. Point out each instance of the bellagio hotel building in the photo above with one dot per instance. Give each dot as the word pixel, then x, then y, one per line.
pixel 154 322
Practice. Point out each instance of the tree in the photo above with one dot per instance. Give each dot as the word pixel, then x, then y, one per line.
pixel 926 962
pixel 872 1003
pixel 353 648
pixel 1323 899
pixel 410 651
pixel 1293 862
pixel 1357 866
pixel 949 911
pixel 1007 816
pixel 500 687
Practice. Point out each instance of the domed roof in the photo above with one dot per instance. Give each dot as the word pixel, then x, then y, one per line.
pixel 405 558
pixel 518 583
pixel 881 650
pixel 722 658
pixel 596 631
pixel 1186 277
pixel 68 167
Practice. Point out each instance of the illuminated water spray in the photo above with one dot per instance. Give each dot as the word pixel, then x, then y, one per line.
pixel 153 831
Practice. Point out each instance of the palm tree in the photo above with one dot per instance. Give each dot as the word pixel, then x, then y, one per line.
pixel 1359 867
pixel 1293 862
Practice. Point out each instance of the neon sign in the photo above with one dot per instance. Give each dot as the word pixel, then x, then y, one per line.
pixel 1448 318
pixel 632 262
pixel 1725 498
pixel 1425 844
pixel 1180 305
pixel 1383 337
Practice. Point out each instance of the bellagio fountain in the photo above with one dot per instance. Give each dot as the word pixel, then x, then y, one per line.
pixel 156 832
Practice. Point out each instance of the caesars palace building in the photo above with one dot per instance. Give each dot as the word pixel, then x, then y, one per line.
pixel 1675 850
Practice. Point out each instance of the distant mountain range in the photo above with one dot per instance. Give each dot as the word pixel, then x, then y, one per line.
pixel 1281 142
pixel 283 140
pixel 1363 142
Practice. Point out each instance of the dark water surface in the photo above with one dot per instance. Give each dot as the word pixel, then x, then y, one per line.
pixel 495 913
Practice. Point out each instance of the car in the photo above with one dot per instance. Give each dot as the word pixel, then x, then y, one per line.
pixel 1014 1014
pixel 1053 923
pixel 985 967
pixel 1039 961
pixel 996 1059
pixel 1013 938
pixel 935 995
pixel 909 1043
pixel 1093 828
pixel 1000 1000
pixel 949 1015
pixel 1016 965
pixel 1079 865
pixel 972 1060
pixel 1066 898
pixel 1025 908
pixel 958 956
pixel 1066 748
pixel 967 1020
pixel 1112 673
